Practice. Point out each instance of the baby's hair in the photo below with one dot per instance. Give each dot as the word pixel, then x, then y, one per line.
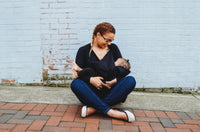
pixel 102 28
pixel 123 62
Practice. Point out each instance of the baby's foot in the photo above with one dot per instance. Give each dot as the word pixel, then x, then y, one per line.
pixel 75 66
pixel 74 73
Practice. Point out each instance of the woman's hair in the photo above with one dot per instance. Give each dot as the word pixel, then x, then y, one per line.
pixel 102 28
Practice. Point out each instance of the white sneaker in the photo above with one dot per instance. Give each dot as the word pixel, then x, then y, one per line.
pixel 84 111
pixel 130 116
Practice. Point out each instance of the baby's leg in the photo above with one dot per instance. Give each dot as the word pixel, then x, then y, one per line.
pixel 86 72
pixel 74 73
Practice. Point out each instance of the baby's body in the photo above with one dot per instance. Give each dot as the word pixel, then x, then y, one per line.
pixel 119 63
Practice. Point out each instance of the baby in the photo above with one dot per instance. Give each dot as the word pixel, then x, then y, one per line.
pixel 120 63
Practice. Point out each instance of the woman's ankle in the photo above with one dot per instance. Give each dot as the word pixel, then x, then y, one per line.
pixel 90 111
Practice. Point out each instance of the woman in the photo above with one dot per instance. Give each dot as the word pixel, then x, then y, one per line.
pixel 100 92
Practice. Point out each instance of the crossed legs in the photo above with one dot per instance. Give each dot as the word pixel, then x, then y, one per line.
pixel 117 94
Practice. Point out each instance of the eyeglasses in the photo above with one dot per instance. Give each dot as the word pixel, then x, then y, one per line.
pixel 107 40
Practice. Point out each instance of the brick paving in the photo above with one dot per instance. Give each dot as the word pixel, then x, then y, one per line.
pixel 16 117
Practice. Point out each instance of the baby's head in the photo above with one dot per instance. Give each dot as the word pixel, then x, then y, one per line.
pixel 123 63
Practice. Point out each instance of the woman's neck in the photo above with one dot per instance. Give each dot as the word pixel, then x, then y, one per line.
pixel 95 44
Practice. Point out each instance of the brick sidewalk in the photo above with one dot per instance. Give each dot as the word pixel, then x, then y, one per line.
pixel 66 118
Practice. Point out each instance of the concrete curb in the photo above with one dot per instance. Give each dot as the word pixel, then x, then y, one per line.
pixel 136 100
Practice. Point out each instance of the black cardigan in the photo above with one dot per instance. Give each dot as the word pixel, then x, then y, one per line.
pixel 105 67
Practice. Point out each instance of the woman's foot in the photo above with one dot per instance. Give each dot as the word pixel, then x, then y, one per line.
pixel 86 111
pixel 123 115
pixel 130 116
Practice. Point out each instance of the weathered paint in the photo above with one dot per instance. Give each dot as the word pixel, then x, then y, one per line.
pixel 7 81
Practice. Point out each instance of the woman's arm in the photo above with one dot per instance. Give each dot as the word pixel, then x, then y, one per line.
pixel 82 61
pixel 123 72
pixel 97 82
pixel 115 51
pixel 120 73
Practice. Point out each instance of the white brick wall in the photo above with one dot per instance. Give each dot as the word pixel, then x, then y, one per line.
pixel 57 34
pixel 159 37
pixel 20 55
pixel 58 37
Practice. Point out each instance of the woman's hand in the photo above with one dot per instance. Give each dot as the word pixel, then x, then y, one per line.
pixel 96 81
pixel 111 83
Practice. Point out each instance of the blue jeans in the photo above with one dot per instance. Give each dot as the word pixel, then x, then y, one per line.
pixel 116 95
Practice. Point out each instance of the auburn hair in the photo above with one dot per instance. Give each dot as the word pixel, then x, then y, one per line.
pixel 102 28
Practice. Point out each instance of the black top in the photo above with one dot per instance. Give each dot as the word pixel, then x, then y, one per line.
pixel 104 67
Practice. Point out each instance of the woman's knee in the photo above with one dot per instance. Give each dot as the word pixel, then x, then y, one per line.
pixel 131 81
pixel 74 84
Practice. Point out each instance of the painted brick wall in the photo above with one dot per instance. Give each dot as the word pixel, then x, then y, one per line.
pixel 59 40
pixel 20 54
pixel 159 37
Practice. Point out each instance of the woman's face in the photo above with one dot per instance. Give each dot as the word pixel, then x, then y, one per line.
pixel 103 40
